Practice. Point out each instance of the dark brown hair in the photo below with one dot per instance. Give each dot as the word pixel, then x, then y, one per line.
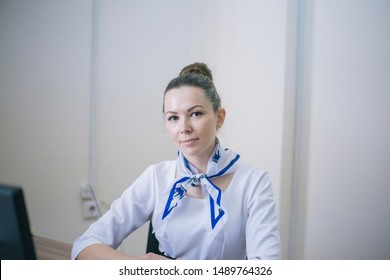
pixel 197 75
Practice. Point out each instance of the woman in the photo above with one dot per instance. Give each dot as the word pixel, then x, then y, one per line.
pixel 207 204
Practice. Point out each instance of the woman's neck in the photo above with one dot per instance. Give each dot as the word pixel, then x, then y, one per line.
pixel 199 164
pixel 201 161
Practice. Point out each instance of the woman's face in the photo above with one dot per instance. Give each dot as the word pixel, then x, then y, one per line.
pixel 192 123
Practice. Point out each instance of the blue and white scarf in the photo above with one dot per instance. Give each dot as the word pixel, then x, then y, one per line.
pixel 222 162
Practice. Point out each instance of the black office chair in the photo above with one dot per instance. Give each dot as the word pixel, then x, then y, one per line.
pixel 152 243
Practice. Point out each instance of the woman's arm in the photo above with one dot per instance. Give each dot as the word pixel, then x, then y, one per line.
pixel 126 214
pixel 262 230
pixel 104 252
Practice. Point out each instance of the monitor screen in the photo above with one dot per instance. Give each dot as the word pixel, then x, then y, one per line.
pixel 16 241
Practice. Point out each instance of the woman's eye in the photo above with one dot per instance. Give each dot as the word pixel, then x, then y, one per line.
pixel 196 114
pixel 172 118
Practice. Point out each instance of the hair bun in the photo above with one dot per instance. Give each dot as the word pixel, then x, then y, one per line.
pixel 197 68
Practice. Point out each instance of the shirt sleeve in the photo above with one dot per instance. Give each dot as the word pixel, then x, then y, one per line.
pixel 262 231
pixel 127 213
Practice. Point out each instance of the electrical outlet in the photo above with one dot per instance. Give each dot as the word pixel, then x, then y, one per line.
pixel 90 209
pixel 86 192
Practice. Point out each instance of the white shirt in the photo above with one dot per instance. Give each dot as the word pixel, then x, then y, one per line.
pixel 251 230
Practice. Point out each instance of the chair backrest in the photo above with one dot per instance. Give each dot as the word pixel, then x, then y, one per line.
pixel 152 243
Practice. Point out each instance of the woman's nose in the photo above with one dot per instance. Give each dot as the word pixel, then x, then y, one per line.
pixel 185 126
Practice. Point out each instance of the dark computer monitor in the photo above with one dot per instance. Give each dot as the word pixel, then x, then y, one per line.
pixel 16 241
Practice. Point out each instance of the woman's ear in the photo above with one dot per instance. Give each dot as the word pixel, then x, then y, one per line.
pixel 221 117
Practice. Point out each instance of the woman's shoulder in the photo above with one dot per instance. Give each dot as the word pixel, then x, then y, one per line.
pixel 163 168
pixel 248 169
pixel 251 179
pixel 157 172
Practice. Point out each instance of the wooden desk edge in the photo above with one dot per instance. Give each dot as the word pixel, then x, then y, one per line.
pixel 48 249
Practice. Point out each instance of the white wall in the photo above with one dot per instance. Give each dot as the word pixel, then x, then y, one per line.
pixel 57 60
pixel 45 58
pixel 343 188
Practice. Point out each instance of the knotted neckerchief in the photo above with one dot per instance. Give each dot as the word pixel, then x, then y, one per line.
pixel 222 162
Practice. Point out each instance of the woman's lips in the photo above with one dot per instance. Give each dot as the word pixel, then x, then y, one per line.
pixel 188 142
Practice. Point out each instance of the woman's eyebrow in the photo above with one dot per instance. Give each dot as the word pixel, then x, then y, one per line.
pixel 190 109
pixel 194 107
